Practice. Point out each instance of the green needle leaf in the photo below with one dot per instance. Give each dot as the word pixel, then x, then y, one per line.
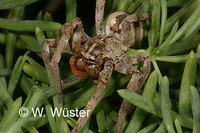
pixel 188 80
pixel 195 102
pixel 29 25
pixel 152 107
pixel 7 4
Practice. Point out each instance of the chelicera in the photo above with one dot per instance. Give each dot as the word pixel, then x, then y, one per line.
pixel 98 56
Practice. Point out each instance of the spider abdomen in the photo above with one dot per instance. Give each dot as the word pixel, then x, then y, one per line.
pixel 125 27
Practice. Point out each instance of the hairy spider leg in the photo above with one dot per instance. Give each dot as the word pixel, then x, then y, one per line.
pixel 47 59
pixel 103 79
pixel 99 14
pixel 125 66
pixel 75 27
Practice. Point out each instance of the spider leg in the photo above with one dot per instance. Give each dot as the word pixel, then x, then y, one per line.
pixel 99 14
pixel 144 16
pixel 138 17
pixel 133 29
pixel 47 59
pixel 128 28
pixel 71 80
pixel 137 58
pixel 75 27
pixel 46 51
pixel 125 66
pixel 104 77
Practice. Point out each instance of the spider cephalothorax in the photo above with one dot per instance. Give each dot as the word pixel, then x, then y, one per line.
pixel 94 53
pixel 97 57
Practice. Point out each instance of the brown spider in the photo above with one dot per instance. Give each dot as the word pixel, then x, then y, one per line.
pixel 100 55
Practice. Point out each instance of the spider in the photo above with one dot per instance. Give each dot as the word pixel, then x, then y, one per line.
pixel 98 56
